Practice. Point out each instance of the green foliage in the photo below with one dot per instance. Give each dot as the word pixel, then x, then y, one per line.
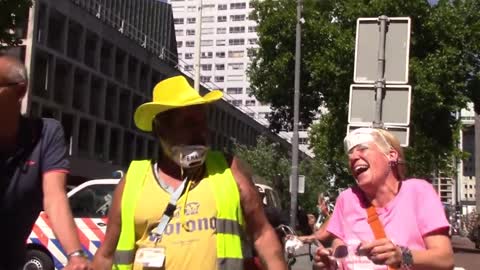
pixel 271 166
pixel 269 163
pixel 13 14
pixel 444 72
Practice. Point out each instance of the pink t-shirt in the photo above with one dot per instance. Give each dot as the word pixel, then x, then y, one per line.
pixel 412 214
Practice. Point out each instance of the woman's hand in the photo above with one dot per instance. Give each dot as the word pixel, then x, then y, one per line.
pixel 382 251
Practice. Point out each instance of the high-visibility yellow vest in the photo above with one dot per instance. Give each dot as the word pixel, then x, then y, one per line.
pixel 232 248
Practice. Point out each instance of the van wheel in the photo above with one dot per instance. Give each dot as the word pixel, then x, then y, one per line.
pixel 38 260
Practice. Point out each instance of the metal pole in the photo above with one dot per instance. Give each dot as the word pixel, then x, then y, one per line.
pixel 296 104
pixel 477 160
pixel 198 50
pixel 380 83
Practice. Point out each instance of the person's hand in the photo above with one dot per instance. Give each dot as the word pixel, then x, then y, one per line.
pixel 324 260
pixel 382 251
pixel 78 263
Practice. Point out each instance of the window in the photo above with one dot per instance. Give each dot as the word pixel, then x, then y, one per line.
pixel 206 66
pixel 250 103
pixel 221 18
pixel 251 52
pixel 188 67
pixel 205 79
pixel 189 43
pixel 235 66
pixel 220 54
pixel 220 66
pixel 208 19
pixel 222 7
pixel 191 8
pixel 208 31
pixel 190 32
pixel 471 196
pixel 208 7
pixel 235 78
pixel 237 29
pixel 93 201
pixel 221 42
pixel 237 102
pixel 303 140
pixel 219 78
pixel 179 44
pixel 189 56
pixel 207 55
pixel 178 21
pixel 236 54
pixel 191 20
pixel 237 18
pixel 221 30
pixel 178 9
pixel 207 43
pixel 252 41
pixel 234 90
pixel 236 41
pixel 238 5
pixel 252 29
pixel 179 32
pixel 248 90
pixel 471 186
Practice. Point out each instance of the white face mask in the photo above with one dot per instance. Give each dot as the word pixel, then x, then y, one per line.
pixel 189 156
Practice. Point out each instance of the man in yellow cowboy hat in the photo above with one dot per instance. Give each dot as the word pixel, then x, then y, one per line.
pixel 192 208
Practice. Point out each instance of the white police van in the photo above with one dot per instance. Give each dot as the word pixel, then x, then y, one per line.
pixel 90 203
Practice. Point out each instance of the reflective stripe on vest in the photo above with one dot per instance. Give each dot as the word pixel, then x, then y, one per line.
pixel 125 253
pixel 232 246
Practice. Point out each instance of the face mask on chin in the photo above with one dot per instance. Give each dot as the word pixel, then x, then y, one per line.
pixel 189 156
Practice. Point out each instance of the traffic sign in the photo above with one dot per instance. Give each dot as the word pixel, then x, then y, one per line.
pixel 396 104
pixel 402 133
pixel 301 184
pixel 397 49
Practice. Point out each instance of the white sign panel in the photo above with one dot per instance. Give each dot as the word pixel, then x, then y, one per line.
pixel 397 50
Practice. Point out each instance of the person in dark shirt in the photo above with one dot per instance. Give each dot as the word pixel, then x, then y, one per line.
pixel 33 169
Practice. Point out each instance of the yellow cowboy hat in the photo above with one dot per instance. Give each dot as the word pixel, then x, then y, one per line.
pixel 171 93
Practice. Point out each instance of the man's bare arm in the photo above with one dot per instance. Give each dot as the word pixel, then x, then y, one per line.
pixel 103 259
pixel 55 203
pixel 258 227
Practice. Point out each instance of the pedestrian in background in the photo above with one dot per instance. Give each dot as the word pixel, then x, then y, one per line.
pixel 385 219
pixel 33 170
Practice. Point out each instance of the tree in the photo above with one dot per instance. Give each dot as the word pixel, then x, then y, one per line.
pixel 444 72
pixel 269 163
pixel 271 166
pixel 13 16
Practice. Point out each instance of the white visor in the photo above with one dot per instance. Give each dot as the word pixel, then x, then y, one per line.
pixel 364 136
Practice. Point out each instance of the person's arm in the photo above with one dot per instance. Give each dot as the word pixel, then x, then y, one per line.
pixel 55 204
pixel 55 167
pixel 439 253
pixel 321 235
pixel 103 259
pixel 264 237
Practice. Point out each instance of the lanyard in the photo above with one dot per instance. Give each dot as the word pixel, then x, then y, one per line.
pixel 156 234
